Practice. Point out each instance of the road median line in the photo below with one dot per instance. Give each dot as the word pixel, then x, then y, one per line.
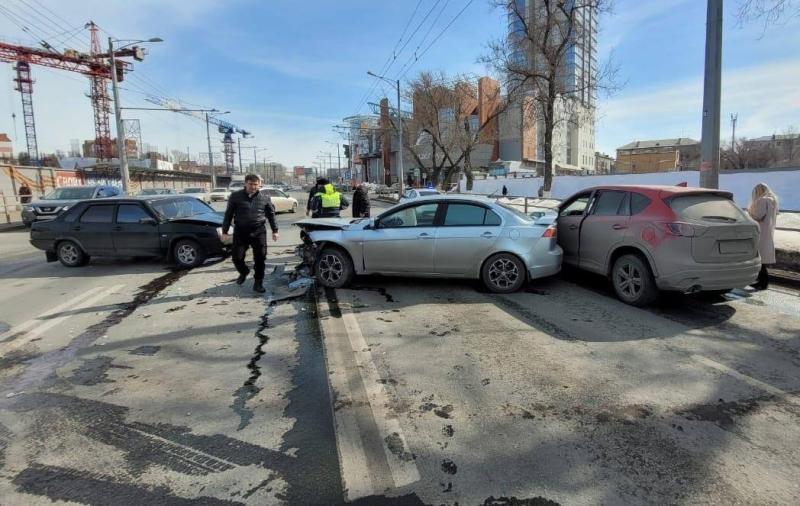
pixel 32 331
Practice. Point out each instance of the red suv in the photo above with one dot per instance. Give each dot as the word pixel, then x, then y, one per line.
pixel 651 238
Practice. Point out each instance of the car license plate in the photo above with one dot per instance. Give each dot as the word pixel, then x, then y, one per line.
pixel 733 247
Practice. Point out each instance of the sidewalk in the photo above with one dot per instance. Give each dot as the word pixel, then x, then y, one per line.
pixel 787 253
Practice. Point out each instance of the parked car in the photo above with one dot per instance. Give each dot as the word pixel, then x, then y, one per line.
pixel 439 236
pixel 651 238
pixel 220 194
pixel 415 193
pixel 61 199
pixel 157 191
pixel 281 201
pixel 198 193
pixel 179 228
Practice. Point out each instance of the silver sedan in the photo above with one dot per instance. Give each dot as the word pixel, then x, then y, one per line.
pixel 439 236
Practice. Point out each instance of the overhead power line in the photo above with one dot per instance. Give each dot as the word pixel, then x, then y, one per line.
pixel 438 36
pixel 395 53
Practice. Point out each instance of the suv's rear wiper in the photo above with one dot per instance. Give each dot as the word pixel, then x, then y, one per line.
pixel 724 218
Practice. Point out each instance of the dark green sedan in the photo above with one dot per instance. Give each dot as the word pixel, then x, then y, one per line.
pixel 181 229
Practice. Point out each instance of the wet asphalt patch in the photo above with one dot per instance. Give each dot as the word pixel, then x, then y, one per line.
pixel 147 350
pixel 249 389
pixel 381 290
pixel 722 413
pixel 94 371
pixel 513 501
pixel 60 484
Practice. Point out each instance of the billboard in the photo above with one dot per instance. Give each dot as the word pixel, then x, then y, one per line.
pixel 308 171
pixel 299 171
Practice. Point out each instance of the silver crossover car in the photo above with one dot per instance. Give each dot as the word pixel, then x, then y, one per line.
pixel 444 236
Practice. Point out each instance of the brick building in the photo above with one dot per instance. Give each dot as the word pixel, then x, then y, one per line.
pixel 663 155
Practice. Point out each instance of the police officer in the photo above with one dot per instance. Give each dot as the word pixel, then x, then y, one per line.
pixel 321 182
pixel 250 209
pixel 328 203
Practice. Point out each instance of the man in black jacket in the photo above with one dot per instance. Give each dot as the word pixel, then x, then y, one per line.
pixel 250 209
pixel 360 202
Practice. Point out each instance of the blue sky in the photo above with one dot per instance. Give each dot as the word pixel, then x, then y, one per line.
pixel 290 70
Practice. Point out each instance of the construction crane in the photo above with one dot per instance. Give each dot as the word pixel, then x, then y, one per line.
pixel 95 64
pixel 226 129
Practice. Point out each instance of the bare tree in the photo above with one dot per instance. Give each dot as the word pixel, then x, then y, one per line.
pixel 178 155
pixel 447 125
pixel 768 12
pixel 746 154
pixel 534 58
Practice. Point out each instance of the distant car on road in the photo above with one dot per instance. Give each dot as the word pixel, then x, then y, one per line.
pixel 443 236
pixel 220 194
pixel 61 199
pixel 157 191
pixel 415 193
pixel 182 229
pixel 281 201
pixel 198 193
pixel 651 238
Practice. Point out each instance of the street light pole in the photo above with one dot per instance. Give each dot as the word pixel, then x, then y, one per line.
pixel 121 155
pixel 210 157
pixel 709 142
pixel 400 131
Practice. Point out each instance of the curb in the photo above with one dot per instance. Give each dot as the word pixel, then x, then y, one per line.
pixel 11 226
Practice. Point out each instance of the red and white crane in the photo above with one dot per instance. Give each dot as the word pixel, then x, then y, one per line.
pixel 94 64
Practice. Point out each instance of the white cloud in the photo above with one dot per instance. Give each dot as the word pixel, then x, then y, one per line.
pixel 766 98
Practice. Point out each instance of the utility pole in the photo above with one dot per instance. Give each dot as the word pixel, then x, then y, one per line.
pixel 339 163
pixel 121 155
pixel 709 144
pixel 210 157
pixel 239 141
pixel 734 117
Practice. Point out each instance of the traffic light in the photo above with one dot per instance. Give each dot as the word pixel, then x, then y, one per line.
pixel 346 150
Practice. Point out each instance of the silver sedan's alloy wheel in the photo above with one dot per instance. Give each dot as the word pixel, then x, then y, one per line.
pixel 503 273
pixel 331 269
pixel 69 253
pixel 186 254
pixel 628 279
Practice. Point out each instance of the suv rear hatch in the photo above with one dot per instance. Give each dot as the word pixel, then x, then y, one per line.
pixel 722 232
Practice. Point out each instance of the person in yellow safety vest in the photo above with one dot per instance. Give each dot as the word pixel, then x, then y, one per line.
pixel 328 203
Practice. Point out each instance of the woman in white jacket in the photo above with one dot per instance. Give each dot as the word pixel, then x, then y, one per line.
pixel 764 209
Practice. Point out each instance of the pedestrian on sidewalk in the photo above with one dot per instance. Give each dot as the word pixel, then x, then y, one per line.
pixel 764 209
pixel 361 202
pixel 250 209
pixel 321 182
pixel 25 193
pixel 505 191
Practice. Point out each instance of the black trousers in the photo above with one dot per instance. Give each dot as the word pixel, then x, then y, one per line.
pixel 247 238
pixel 762 283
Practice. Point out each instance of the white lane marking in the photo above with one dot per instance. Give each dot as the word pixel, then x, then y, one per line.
pixel 404 471
pixel 52 311
pixel 356 474
pixel 44 327
pixel 784 395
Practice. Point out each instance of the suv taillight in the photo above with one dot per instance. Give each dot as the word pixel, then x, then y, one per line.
pixel 681 229
pixel 550 232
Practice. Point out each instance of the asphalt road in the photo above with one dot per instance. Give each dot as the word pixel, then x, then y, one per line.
pixel 124 382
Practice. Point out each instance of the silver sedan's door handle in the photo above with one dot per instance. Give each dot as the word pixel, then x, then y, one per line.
pixel 424 235
pixel 487 235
